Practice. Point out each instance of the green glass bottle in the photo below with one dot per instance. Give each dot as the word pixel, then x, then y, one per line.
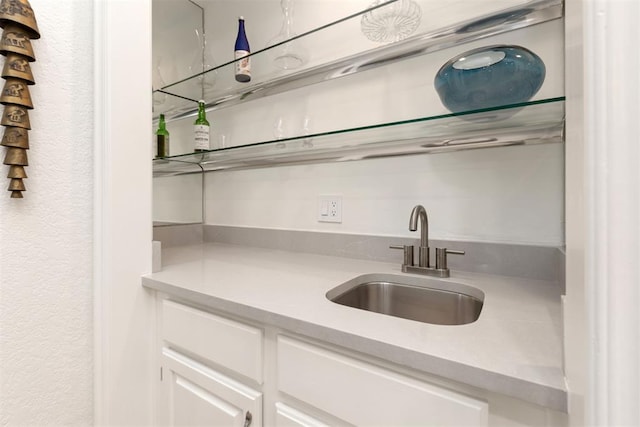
pixel 162 138
pixel 201 129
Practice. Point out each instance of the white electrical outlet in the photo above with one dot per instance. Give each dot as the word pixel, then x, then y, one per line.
pixel 329 208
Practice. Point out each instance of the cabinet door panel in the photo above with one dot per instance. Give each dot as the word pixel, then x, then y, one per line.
pixel 195 406
pixel 229 343
pixel 367 395
pixel 196 395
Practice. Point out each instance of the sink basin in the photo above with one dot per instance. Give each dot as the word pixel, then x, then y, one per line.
pixel 415 298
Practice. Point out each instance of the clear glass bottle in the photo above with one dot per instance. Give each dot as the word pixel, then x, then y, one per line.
pixel 201 129
pixel 162 139
pixel 289 55
pixel 202 64
pixel 242 50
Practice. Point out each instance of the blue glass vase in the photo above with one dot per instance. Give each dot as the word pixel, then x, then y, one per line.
pixel 489 77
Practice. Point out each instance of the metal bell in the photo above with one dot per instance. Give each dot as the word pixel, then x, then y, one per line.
pixel 16 91
pixel 16 156
pixel 16 184
pixel 19 11
pixel 15 39
pixel 15 115
pixel 15 65
pixel 17 171
pixel 15 137
pixel 16 195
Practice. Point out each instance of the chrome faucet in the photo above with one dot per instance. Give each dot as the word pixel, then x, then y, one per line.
pixel 419 212
pixel 424 263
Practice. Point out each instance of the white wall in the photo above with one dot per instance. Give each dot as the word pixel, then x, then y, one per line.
pixel 499 195
pixel 178 199
pixel 46 294
pixel 610 248
pixel 576 342
pixel 124 309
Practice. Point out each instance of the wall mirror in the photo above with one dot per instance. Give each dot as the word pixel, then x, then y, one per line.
pixel 177 33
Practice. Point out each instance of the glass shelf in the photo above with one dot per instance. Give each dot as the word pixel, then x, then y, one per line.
pixel 268 80
pixel 177 165
pixel 532 122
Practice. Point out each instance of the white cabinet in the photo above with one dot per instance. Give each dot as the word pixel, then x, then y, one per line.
pixel 211 369
pixel 217 371
pixel 225 342
pixel 364 394
pixel 193 394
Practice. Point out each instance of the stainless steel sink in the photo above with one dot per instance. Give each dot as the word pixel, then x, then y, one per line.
pixel 416 298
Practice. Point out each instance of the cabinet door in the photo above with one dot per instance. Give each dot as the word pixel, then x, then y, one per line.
pixel 366 395
pixel 193 394
pixel 228 343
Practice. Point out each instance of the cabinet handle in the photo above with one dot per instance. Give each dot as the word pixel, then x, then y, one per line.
pixel 247 419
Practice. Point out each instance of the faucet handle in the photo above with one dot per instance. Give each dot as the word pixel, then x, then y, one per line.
pixel 449 251
pixel 441 257
pixel 408 253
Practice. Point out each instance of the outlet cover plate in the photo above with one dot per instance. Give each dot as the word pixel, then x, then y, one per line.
pixel 329 208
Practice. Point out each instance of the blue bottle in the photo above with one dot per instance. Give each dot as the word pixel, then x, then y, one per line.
pixel 242 50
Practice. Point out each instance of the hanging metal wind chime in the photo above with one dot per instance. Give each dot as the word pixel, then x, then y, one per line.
pixel 19 28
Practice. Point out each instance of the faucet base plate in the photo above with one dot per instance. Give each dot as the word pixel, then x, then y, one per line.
pixel 437 272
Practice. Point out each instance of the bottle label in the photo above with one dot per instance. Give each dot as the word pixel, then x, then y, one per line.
pixel 163 146
pixel 243 67
pixel 201 137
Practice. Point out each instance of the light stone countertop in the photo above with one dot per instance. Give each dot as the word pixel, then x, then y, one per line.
pixel 514 348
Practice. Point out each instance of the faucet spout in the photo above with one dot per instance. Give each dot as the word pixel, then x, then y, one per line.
pixel 419 212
